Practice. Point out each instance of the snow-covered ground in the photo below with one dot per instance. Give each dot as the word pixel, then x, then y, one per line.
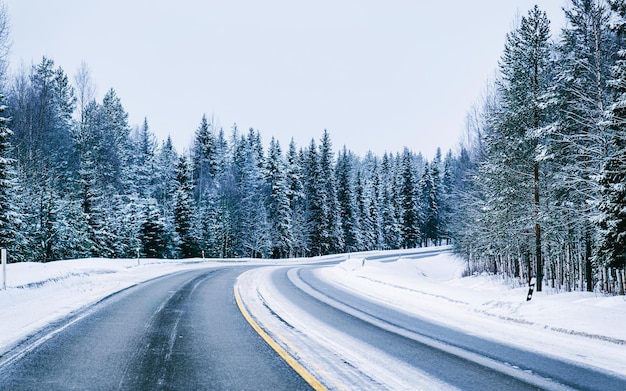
pixel 40 293
pixel 589 328
pixel 584 327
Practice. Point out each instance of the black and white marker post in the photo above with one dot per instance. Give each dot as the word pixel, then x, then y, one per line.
pixel 531 288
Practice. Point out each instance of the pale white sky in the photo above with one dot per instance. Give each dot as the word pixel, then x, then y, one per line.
pixel 379 75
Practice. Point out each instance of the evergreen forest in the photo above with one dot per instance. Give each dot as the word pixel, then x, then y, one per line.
pixel 537 189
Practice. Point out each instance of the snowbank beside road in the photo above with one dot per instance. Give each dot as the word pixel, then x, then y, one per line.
pixel 579 326
pixel 582 327
pixel 332 356
pixel 38 294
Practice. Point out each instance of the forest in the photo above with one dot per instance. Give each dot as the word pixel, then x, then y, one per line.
pixel 79 182
pixel 543 184
pixel 537 189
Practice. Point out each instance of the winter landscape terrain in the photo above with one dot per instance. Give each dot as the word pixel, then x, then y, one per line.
pixel 582 327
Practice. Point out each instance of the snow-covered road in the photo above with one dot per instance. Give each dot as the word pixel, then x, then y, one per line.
pixel 336 355
pixel 579 327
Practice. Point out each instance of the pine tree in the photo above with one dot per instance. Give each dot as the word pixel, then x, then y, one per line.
pixel 579 147
pixel 10 236
pixel 374 196
pixel 391 218
pixel 408 197
pixel 315 218
pixel 364 229
pixel 250 198
pixel 186 243
pixel 613 204
pixel 279 208
pixel 153 235
pixel 333 241
pixel 204 158
pixel 516 146
pixel 297 199
pixel 90 202
pixel 447 196
pixel 165 185
pixel 429 205
pixel 145 161
pixel 347 203
pixel 115 151
pixel 613 180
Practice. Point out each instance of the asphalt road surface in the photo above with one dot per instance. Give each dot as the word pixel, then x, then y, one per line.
pixel 178 332
pixel 185 332
pixel 481 365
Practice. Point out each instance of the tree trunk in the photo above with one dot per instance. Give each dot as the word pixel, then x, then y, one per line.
pixel 588 267
pixel 581 268
pixel 538 231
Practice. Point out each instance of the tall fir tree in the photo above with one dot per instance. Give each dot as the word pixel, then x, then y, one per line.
pixel 409 201
pixel 579 146
pixel 297 198
pixel 521 127
pixel 613 178
pixel 204 158
pixel 316 228
pixel 333 241
pixel 153 235
pixel 10 235
pixel 429 205
pixel 279 206
pixel 186 242
pixel 347 203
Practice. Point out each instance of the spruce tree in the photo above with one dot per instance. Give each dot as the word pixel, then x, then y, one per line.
pixel 9 219
pixel 520 129
pixel 297 200
pixel 279 208
pixel 204 158
pixel 333 241
pixel 429 206
pixel 153 235
pixel 347 203
pixel 613 178
pixel 408 195
pixel 186 243
pixel 315 217
pixel 586 51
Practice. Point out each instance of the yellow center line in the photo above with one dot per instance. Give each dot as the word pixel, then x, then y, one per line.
pixel 293 363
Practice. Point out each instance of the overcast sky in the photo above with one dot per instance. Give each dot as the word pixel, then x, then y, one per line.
pixel 379 75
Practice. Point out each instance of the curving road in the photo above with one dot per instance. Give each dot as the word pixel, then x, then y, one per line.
pixel 178 332
pixel 185 332
pixel 460 360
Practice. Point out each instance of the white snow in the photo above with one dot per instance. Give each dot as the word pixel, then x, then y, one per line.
pixel 584 327
pixel 40 293
pixel 588 328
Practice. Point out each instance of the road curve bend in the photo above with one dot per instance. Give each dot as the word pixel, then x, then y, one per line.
pixel 178 332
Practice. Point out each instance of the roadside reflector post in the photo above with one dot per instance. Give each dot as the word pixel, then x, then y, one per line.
pixel 531 288
pixel 3 253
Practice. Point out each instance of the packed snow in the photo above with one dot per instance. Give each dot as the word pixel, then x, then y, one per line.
pixel 584 327
pixel 587 328
pixel 578 326
pixel 40 293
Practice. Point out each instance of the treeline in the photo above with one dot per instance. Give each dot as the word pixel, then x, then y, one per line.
pixel 79 182
pixel 543 192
